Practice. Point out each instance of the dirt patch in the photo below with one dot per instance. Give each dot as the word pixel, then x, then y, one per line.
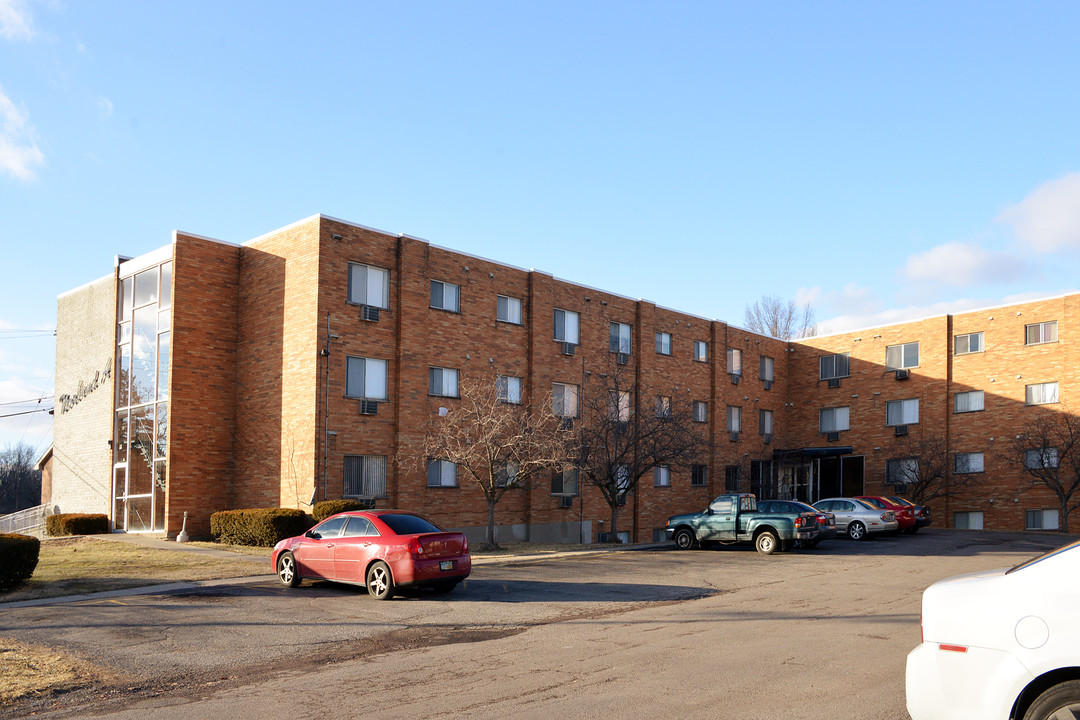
pixel 35 672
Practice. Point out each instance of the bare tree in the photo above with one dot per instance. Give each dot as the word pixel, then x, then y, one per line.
pixel 20 483
pixel 626 430
pixel 498 441
pixel 1048 450
pixel 923 470
pixel 776 318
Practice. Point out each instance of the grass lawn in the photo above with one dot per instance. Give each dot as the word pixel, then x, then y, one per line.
pixel 85 564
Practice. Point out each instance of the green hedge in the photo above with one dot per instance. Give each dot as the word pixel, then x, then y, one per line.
pixel 326 508
pixel 77 524
pixel 20 553
pixel 258 526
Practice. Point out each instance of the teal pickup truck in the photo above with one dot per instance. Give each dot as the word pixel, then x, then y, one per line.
pixel 734 518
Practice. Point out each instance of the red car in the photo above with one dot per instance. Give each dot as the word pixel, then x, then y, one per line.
pixel 905 514
pixel 383 550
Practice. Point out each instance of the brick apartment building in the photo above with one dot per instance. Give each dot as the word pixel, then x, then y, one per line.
pixel 204 376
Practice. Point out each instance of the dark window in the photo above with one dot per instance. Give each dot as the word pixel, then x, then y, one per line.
pixel 408 524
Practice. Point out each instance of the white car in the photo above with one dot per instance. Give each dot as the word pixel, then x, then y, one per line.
pixel 1001 645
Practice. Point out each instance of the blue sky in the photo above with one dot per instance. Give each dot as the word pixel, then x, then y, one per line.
pixel 883 161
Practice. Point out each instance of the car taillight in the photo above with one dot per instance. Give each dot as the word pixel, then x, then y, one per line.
pixel 953 648
pixel 415 548
pixel 464 545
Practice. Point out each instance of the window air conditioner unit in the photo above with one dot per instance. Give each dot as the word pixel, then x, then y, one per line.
pixel 834 382
pixel 622 358
pixel 369 407
pixel 566 501
pixel 767 384
pixel 370 313
pixel 735 378
pixel 902 375
pixel 735 436
pixel 768 438
pixel 602 537
pixel 832 437
pixel 901 430
pixel 568 348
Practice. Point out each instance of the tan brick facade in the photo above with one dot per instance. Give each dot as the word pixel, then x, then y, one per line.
pixel 259 414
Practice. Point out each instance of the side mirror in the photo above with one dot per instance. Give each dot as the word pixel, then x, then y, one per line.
pixel 312 534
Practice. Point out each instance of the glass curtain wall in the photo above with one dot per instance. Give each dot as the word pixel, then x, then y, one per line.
pixel 142 390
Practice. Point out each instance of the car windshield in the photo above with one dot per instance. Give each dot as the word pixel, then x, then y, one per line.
pixel 408 524
pixel 866 504
pixel 902 501
pixel 876 502
pixel 1042 557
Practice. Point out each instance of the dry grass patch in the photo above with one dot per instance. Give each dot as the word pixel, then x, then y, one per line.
pixel 33 671
pixel 242 549
pixel 73 566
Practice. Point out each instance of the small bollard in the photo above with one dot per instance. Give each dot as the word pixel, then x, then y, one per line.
pixel 183 536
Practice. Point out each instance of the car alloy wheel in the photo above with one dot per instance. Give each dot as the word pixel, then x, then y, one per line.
pixel 856 531
pixel 379 583
pixel 684 539
pixel 286 570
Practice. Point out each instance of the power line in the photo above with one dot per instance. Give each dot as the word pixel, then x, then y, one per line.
pixel 27 402
pixel 27 412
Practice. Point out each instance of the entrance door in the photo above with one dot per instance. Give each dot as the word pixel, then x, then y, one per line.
pixel 136 505
pixel 851 473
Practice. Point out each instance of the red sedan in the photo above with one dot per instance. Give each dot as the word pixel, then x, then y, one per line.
pixel 905 514
pixel 383 550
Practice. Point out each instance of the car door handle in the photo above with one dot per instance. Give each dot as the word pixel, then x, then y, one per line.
pixel 330 545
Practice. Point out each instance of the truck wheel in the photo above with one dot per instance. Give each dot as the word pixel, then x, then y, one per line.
pixel 766 543
pixel 1063 696
pixel 684 539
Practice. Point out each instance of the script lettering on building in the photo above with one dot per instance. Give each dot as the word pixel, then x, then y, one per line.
pixel 69 401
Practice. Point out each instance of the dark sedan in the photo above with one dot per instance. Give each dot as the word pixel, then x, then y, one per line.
pixel 826 521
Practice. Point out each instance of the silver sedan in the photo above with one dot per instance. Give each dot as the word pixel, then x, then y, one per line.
pixel 858 519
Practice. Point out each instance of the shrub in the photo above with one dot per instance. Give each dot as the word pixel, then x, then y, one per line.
pixel 326 508
pixel 77 524
pixel 258 526
pixel 20 553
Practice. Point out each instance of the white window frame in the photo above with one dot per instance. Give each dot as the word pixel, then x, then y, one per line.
pixel 906 354
pixel 966 463
pixel 734 418
pixel 834 419
pixel 901 471
pixel 701 411
pixel 362 369
pixel 370 476
pixel 662 476
pixel 766 367
pixel 734 361
pixel 1041 458
pixel 1041 393
pixel 701 351
pixel 663 343
pixel 1042 332
pixel 442 472
pixel 508 309
pixel 972 520
pixel 620 338
pixel 765 422
pixel 969 401
pixel 359 284
pixel 567 326
pixel 560 394
pixel 833 371
pixel 450 301
pixel 965 339
pixel 908 409
pixel 443 382
pixel 1048 519
pixel 508 389
pixel 620 404
pixel 559 481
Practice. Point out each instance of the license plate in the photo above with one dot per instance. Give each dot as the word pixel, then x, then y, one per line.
pixel 446 564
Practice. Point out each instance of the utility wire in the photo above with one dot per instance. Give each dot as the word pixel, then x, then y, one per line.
pixel 27 412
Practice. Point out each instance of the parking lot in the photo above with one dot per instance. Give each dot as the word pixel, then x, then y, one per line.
pixel 724 633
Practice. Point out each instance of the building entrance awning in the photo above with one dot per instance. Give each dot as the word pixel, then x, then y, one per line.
pixel 809 453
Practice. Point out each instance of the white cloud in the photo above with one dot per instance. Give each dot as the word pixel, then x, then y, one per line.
pixel 105 108
pixel 19 153
pixel 1048 219
pixel 15 22
pixel 961 264
pixel 852 297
